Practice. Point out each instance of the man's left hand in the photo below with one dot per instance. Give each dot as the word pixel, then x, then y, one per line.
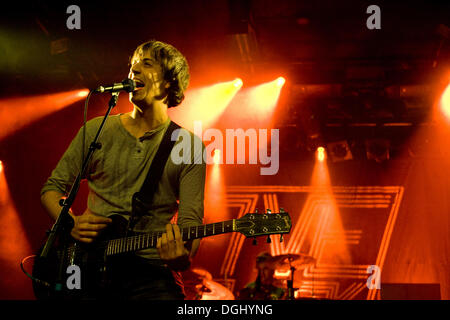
pixel 172 250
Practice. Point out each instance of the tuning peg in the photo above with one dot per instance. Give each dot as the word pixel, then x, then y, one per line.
pixel 268 211
pixel 282 210
pixel 256 210
pixel 268 239
pixel 254 242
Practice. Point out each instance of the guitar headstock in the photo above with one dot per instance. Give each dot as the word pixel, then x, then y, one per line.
pixel 261 224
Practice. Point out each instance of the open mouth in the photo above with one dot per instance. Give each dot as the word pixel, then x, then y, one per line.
pixel 139 85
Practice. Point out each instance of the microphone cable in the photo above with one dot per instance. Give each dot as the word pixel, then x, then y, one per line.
pixel 45 283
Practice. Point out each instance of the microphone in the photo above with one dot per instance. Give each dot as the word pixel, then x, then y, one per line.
pixel 128 85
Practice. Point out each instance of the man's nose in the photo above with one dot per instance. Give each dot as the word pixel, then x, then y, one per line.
pixel 134 73
pixel 135 69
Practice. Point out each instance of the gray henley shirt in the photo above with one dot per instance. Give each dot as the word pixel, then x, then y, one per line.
pixel 119 169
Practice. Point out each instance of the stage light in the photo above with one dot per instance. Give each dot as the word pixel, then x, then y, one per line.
pixel 377 149
pixel 1 166
pixel 445 102
pixel 33 108
pixel 320 212
pixel 83 93
pixel 280 81
pixel 253 106
pixel 215 194
pixel 238 83
pixel 320 154
pixel 205 104
pixel 264 98
pixel 14 245
pixel 216 157
pixel 339 151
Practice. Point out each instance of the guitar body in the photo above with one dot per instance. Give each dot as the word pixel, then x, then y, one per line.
pixel 90 280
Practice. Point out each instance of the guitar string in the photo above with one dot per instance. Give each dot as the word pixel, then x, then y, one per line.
pixel 141 241
pixel 129 243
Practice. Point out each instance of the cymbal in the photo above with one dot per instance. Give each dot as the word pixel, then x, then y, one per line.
pixel 195 275
pixel 202 273
pixel 216 291
pixel 199 285
pixel 193 282
pixel 294 260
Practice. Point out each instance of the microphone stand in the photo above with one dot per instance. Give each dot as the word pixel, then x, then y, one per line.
pixel 290 282
pixel 64 223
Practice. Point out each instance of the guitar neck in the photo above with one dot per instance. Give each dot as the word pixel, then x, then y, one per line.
pixel 149 240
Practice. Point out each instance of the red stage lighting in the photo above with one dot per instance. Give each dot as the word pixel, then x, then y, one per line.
pixel 320 154
pixel 445 102
pixel 255 105
pixel 33 109
pixel 266 95
pixel 83 93
pixel 205 104
pixel 215 196
pixel 280 81
pixel 216 157
pixel 14 244
pixel 238 83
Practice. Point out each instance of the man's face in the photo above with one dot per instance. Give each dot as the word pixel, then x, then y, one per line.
pixel 147 73
pixel 267 272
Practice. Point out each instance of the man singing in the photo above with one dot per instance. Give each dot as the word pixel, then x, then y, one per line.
pixel 129 143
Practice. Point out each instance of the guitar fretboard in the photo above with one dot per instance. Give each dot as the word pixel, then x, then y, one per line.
pixel 149 240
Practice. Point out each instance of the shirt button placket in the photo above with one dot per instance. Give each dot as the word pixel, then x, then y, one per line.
pixel 139 147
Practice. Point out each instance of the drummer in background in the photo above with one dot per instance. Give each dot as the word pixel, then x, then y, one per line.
pixel 263 288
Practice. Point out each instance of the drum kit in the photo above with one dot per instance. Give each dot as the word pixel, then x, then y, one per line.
pixel 292 263
pixel 199 284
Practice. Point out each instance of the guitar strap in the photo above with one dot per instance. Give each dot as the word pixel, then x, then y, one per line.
pixel 142 200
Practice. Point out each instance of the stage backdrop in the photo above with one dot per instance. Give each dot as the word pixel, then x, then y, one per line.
pixel 387 222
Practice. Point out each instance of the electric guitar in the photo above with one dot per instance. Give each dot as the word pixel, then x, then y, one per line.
pixel 50 273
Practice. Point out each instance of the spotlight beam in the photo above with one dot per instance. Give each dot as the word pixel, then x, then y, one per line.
pixel 205 104
pixel 255 105
pixel 32 109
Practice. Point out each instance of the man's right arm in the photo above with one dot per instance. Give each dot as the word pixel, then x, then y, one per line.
pixel 86 227
pixel 50 201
